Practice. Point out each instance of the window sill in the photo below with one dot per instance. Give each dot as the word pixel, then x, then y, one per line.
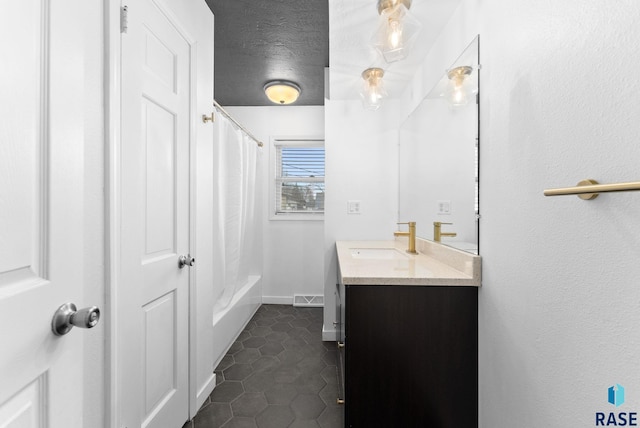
pixel 297 217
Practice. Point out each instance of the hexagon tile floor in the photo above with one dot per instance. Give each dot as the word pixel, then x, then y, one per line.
pixel 277 374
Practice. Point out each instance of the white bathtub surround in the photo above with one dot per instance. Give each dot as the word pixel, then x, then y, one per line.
pixel 387 263
pixel 230 321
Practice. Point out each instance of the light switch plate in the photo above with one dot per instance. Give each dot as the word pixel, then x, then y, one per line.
pixel 353 207
pixel 444 207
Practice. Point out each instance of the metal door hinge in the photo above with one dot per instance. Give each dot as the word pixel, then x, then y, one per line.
pixel 124 10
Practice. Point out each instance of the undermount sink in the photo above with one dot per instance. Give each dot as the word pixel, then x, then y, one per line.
pixel 377 254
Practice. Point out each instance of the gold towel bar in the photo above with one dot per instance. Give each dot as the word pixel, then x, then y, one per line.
pixel 590 189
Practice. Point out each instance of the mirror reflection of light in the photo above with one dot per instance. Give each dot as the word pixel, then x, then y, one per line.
pixel 460 86
pixel 394 39
pixel 459 96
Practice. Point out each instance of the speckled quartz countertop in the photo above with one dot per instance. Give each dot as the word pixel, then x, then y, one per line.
pixel 387 263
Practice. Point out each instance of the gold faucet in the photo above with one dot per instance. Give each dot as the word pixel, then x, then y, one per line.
pixel 412 236
pixel 437 231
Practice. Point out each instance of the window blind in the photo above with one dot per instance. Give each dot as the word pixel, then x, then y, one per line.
pixel 299 179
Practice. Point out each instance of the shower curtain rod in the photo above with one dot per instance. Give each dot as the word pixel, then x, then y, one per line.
pixel 228 116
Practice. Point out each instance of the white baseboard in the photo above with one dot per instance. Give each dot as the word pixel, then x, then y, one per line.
pixel 277 300
pixel 205 391
pixel 329 335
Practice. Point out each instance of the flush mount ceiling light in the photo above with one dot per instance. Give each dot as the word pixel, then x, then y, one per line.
pixel 397 30
pixel 282 91
pixel 461 87
pixel 373 89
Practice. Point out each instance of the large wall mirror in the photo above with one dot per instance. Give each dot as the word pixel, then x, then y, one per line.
pixel 439 144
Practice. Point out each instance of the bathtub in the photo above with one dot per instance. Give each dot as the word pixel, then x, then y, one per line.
pixel 225 327
pixel 229 323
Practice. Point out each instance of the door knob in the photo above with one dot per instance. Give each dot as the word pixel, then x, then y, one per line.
pixel 186 261
pixel 68 316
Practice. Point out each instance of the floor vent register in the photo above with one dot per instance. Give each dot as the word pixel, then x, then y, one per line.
pixel 313 301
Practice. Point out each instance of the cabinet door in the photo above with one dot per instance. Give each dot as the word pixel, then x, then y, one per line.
pixel 338 321
pixel 341 314
pixel 340 343
pixel 411 359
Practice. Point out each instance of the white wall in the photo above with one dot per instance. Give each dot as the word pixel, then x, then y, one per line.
pixel 560 297
pixel 362 164
pixel 558 309
pixel 292 254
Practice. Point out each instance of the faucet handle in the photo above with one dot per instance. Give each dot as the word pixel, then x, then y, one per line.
pixel 408 222
pixel 437 223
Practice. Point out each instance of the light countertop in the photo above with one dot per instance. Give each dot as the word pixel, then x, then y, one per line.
pixel 387 263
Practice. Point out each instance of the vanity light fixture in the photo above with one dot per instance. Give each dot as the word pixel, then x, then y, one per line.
pixel 461 87
pixel 397 29
pixel 372 89
pixel 282 91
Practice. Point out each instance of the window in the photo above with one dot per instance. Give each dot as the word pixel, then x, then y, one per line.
pixel 299 178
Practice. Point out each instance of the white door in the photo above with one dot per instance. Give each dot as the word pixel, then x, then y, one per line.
pixel 152 291
pixel 41 211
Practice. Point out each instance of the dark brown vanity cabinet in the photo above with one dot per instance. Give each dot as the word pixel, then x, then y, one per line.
pixel 339 324
pixel 409 355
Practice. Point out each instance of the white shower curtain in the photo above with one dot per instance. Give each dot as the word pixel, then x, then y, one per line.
pixel 235 210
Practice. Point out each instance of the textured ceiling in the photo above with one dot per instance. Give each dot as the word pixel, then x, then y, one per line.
pixel 261 40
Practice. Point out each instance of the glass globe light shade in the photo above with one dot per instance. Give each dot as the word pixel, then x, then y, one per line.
pixel 282 92
pixel 373 91
pixel 396 33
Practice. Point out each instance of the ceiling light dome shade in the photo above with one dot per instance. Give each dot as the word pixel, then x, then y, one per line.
pixel 462 86
pixel 373 88
pixel 397 29
pixel 282 92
